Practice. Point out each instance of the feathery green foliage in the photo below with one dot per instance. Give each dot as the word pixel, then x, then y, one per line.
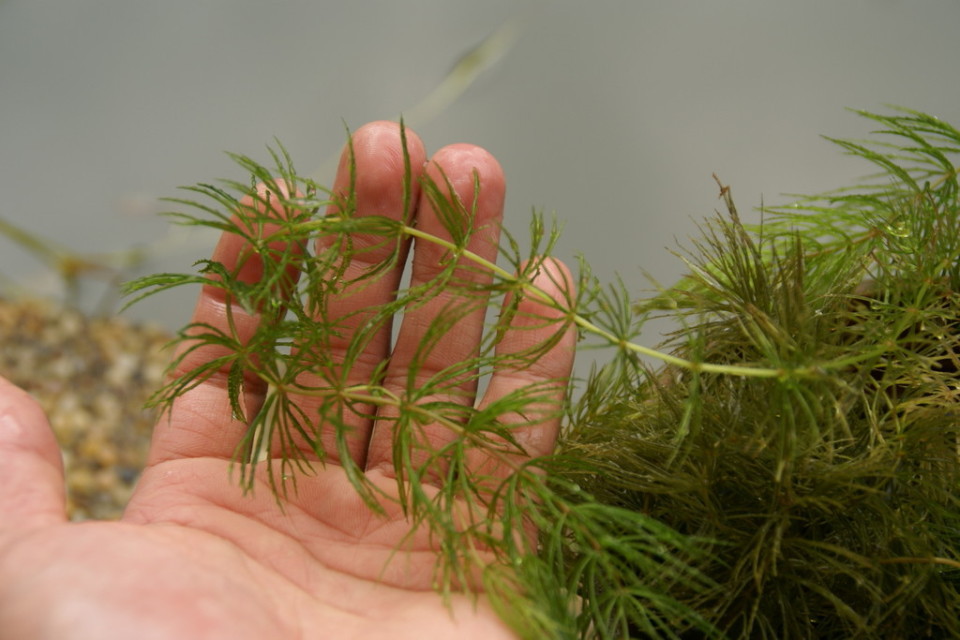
pixel 789 472
pixel 834 498
pixel 594 570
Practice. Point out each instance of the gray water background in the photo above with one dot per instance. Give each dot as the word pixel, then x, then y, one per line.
pixel 613 114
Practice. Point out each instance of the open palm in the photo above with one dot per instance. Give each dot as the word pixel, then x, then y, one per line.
pixel 194 558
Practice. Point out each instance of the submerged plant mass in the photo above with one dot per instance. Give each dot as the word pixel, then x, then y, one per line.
pixel 789 469
pixel 832 497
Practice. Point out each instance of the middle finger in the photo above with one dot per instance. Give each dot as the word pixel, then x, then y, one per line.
pixel 379 170
pixel 446 328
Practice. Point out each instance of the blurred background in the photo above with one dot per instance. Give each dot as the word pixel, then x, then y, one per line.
pixel 613 114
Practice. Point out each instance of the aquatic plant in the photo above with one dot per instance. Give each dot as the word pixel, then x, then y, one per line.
pixel 790 469
pixel 831 489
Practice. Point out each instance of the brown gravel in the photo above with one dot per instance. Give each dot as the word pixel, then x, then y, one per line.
pixel 92 377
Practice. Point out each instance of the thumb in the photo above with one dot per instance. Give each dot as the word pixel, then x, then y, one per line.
pixel 32 487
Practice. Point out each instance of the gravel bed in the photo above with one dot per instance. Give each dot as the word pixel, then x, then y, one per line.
pixel 92 377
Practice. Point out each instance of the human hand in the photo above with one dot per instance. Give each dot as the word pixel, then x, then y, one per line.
pixel 194 558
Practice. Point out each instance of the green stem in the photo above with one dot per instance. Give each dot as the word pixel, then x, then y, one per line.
pixel 586 325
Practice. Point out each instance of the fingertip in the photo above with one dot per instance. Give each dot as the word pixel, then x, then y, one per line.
pixel 32 493
pixel 381 134
pixel 460 164
pixel 465 155
pixel 553 278
pixel 470 179
pixel 379 153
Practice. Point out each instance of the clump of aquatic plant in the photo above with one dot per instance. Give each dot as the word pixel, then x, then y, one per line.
pixel 788 470
pixel 831 489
